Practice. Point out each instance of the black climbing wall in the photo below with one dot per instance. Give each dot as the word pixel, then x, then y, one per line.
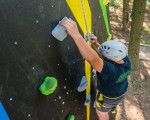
pixel 29 53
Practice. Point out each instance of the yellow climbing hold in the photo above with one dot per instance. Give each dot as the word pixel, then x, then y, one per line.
pixel 105 2
pixel 109 37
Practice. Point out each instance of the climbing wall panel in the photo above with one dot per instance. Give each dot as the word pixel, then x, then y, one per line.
pixel 29 53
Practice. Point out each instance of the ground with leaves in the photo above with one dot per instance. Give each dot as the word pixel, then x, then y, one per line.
pixel 136 105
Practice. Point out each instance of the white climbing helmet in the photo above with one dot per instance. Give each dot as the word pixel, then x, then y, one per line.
pixel 114 50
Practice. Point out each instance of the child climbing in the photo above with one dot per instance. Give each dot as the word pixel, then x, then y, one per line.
pixel 111 70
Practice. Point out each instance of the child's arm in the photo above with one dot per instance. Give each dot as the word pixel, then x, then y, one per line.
pixel 86 51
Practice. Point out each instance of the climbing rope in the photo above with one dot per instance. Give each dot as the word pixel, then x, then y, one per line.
pixel 87 66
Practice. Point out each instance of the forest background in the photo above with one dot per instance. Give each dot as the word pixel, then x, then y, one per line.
pixel 137 102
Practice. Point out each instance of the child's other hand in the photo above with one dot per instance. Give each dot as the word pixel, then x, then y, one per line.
pixel 93 39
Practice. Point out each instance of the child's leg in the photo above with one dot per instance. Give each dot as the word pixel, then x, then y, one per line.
pixel 102 115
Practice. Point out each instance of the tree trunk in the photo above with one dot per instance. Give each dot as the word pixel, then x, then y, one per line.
pixel 125 14
pixel 138 13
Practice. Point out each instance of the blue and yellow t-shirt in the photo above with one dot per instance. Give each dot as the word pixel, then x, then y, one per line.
pixel 112 80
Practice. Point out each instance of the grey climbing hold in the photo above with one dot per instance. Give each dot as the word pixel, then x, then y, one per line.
pixel 94 71
pixel 60 32
pixel 88 99
pixel 94 105
pixel 94 77
pixel 83 84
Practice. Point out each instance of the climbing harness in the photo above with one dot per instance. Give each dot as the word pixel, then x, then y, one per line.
pixel 99 101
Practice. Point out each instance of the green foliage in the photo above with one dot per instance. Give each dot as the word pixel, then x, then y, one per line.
pixel 147 28
pixel 147 38
pixel 116 4
pixel 147 42
pixel 148 3
pixel 137 82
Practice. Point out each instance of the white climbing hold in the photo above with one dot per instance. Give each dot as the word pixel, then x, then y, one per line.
pixel 15 43
pixel 11 99
pixel 67 93
pixel 59 97
pixel 37 21
pixel 29 115
pixel 64 87
pixel 33 68
pixel 49 46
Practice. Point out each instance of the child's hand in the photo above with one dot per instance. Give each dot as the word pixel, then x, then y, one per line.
pixel 93 39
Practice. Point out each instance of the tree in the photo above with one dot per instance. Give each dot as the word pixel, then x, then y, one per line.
pixel 125 14
pixel 138 13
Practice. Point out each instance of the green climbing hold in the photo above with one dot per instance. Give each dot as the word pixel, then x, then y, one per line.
pixel 71 117
pixel 48 86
